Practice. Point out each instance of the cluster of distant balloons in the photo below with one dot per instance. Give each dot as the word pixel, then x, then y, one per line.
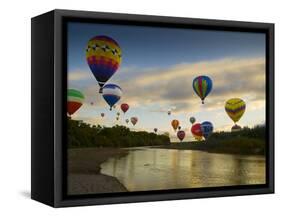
pixel 104 57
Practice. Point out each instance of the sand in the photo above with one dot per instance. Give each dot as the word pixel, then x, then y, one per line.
pixel 84 171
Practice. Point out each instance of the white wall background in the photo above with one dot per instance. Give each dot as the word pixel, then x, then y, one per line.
pixel 15 106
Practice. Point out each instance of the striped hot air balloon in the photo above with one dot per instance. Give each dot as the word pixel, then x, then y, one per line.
pixel 235 108
pixel 104 58
pixel 111 94
pixel 202 85
pixel 75 100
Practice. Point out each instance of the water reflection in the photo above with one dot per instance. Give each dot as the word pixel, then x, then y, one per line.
pixel 155 169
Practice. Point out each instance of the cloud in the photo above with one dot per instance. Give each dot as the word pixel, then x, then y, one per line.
pixel 159 89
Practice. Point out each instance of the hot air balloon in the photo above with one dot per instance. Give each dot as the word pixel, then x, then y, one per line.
pixel 104 57
pixel 179 127
pixel 124 107
pixel 175 124
pixel 235 108
pixel 196 131
pixel 202 85
pixel 117 118
pixel 127 121
pixel 92 103
pixel 111 94
pixel 198 138
pixel 114 106
pixel 118 113
pixel 192 120
pixel 207 128
pixel 134 120
pixel 181 135
pixel 75 100
pixel 155 130
pixel 102 114
pixel 169 112
pixel 235 128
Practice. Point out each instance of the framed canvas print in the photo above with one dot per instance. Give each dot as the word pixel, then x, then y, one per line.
pixel 131 108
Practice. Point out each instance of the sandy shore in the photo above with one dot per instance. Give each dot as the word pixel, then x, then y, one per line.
pixel 84 171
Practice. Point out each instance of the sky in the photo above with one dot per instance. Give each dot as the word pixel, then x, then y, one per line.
pixel 157 70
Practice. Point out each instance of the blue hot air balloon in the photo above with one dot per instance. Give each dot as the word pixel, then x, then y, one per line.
pixel 202 85
pixel 111 94
pixel 207 128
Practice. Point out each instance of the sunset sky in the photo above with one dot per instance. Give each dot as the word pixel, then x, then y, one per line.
pixel 157 70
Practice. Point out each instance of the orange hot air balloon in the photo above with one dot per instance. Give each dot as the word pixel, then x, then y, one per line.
pixel 124 107
pixel 175 124
pixel 196 130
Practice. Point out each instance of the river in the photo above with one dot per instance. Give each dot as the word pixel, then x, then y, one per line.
pixel 154 169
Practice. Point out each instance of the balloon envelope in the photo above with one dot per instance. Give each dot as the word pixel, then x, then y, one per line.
pixel 124 107
pixel 134 120
pixel 192 120
pixel 75 100
pixel 104 57
pixel 196 130
pixel 111 94
pixel 169 112
pixel 127 120
pixel 102 114
pixel 235 108
pixel 206 128
pixel 181 135
pixel 155 130
pixel 202 85
pixel 175 124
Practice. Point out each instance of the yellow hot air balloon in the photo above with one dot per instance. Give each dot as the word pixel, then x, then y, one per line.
pixel 235 108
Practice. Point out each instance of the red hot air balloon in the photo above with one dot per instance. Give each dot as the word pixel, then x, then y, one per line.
pixel 181 135
pixel 124 107
pixel 196 130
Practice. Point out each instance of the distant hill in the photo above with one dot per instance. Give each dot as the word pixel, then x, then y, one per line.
pixel 84 135
pixel 245 141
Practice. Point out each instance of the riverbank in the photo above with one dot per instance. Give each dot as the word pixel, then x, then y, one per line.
pixel 240 146
pixel 84 175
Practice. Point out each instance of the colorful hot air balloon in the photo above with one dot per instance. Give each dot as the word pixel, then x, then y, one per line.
pixel 196 131
pixel 127 121
pixel 111 94
pixel 202 85
pixel 155 130
pixel 192 120
pixel 235 128
pixel 124 107
pixel 75 100
pixel 198 138
pixel 207 128
pixel 104 57
pixel 175 124
pixel 134 120
pixel 235 108
pixel 102 114
pixel 181 135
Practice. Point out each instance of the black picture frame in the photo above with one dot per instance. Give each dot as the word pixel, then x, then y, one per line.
pixel 49 85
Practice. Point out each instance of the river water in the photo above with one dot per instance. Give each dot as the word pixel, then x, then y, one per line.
pixel 154 169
